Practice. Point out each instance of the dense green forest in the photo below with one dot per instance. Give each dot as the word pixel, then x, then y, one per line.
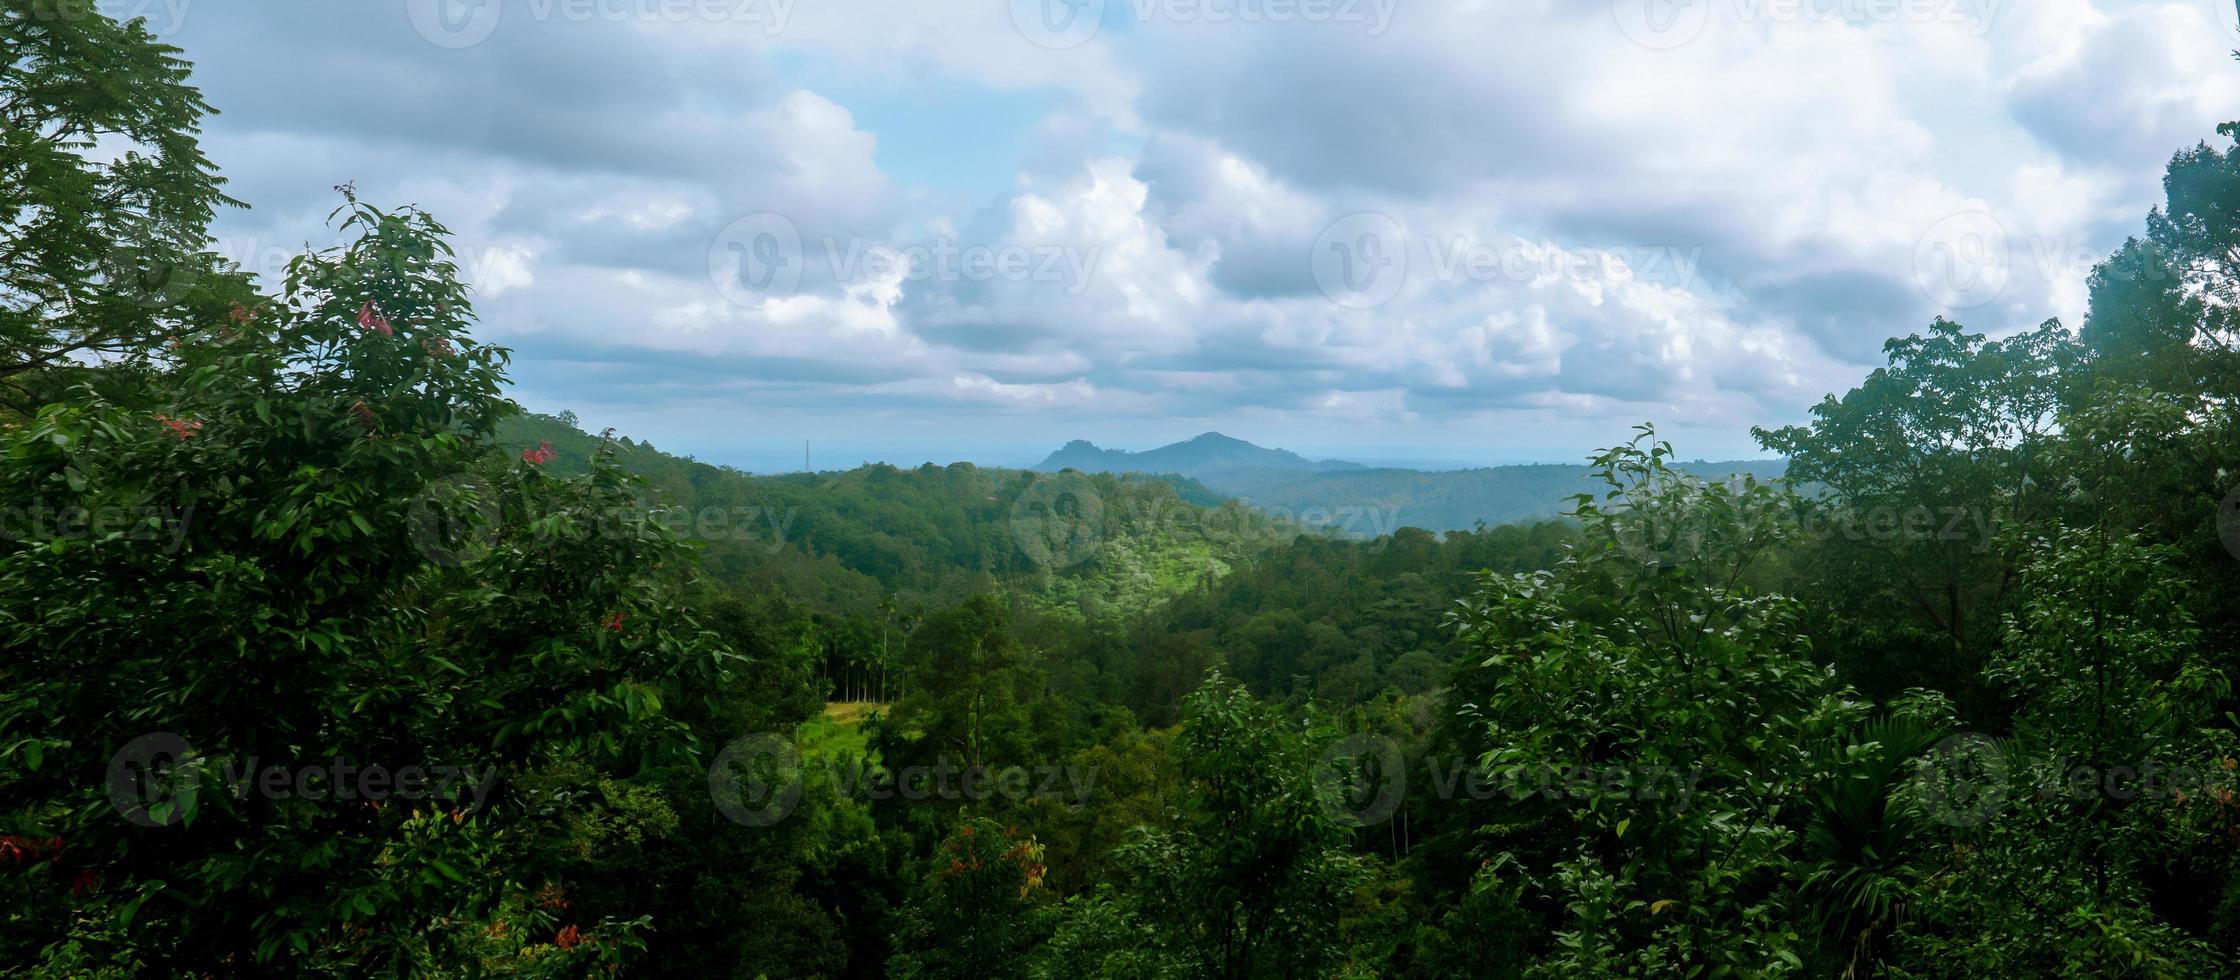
pixel 320 657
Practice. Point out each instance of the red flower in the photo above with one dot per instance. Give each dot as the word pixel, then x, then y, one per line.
pixel 614 622
pixel 370 320
pixel 552 897
pixel 439 346
pixel 568 938
pixel 180 430
pixel 240 313
pixel 539 456
pixel 84 883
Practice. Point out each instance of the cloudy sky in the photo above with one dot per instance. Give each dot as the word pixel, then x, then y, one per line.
pixel 1384 229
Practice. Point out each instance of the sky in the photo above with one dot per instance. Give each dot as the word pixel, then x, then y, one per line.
pixel 1467 232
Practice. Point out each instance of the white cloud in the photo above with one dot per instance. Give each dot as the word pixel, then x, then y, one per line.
pixel 1713 233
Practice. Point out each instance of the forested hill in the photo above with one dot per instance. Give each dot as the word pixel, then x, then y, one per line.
pixel 844 542
pixel 1450 500
pixel 1368 503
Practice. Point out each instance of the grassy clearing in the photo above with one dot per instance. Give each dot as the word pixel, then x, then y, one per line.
pixel 839 730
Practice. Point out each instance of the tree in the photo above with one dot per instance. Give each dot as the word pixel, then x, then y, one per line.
pixel 2063 867
pixel 965 697
pixel 355 580
pixel 1915 471
pixel 976 913
pixel 1248 878
pixel 105 197
pixel 1650 721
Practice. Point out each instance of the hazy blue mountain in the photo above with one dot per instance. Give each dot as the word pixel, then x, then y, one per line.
pixel 1365 501
pixel 1373 502
pixel 1210 452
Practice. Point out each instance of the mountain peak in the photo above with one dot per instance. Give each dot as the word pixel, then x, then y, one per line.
pixel 1206 452
pixel 1214 438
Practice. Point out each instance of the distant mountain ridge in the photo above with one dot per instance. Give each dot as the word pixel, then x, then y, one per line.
pixel 1366 501
pixel 1205 453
